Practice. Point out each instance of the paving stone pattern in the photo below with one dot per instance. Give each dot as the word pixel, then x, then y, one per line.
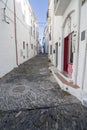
pixel 30 99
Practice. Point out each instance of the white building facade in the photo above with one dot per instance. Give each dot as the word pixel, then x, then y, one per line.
pixel 69 28
pixel 18 34
pixel 45 40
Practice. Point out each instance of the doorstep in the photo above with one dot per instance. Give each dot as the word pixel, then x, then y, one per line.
pixel 65 83
pixel 55 70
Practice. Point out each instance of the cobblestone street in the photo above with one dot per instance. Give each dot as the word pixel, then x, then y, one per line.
pixel 30 99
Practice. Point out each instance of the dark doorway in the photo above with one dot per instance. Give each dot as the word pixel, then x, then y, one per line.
pixel 66 54
pixel 56 48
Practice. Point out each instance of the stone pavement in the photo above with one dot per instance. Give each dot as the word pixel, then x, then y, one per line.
pixel 30 99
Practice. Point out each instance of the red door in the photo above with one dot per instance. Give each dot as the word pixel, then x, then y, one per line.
pixel 66 53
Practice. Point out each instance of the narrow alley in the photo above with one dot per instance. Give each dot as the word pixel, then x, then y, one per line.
pixel 43 65
pixel 30 99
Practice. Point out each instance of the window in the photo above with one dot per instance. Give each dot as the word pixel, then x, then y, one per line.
pixel 31 30
pixel 31 46
pixel 50 37
pixel 50 49
pixel 71 48
pixel 83 36
pixel 34 31
pixel 23 57
pixel 83 1
pixel 23 45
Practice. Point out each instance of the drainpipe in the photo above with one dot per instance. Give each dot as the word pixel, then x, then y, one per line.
pixel 78 28
pixel 15 31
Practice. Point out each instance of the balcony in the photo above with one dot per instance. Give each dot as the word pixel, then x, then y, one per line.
pixel 60 6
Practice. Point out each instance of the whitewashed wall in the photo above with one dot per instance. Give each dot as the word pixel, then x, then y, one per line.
pixel 50 25
pixel 7 41
pixel 46 43
pixel 82 65
pixel 73 6
pixel 57 28
pixel 22 29
pixel 24 14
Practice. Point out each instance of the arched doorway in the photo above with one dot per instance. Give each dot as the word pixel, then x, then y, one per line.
pixel 68 45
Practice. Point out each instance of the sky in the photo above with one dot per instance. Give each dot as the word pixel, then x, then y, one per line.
pixel 40 10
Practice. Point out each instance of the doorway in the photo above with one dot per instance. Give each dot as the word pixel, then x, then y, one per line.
pixel 56 51
pixel 27 50
pixel 68 55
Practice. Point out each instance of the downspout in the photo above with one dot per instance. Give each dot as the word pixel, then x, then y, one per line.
pixel 78 37
pixel 15 31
